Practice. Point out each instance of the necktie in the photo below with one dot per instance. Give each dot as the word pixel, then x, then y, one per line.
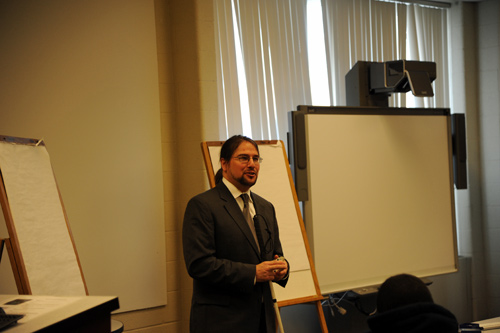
pixel 248 217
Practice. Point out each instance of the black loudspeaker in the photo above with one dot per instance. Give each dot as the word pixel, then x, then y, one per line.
pixel 459 150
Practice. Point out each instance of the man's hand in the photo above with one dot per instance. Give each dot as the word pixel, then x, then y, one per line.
pixel 273 270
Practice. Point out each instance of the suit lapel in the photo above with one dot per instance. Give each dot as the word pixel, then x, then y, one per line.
pixel 236 214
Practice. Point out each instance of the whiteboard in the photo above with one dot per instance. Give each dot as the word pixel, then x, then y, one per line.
pixel 275 185
pixel 380 195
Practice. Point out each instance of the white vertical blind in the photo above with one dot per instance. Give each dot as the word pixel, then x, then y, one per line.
pixel 274 50
pixel 361 30
pixel 227 76
pixel 427 41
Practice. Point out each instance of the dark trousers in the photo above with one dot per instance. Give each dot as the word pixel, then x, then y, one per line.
pixel 262 325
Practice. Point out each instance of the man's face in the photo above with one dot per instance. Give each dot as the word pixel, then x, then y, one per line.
pixel 241 174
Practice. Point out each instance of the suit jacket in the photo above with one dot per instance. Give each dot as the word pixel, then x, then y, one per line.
pixel 221 256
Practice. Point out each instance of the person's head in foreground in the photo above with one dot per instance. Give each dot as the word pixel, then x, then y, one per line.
pixel 405 305
pixel 401 290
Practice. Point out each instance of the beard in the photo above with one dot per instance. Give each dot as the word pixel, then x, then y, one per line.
pixel 245 181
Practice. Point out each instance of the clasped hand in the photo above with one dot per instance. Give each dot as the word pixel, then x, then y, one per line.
pixel 273 270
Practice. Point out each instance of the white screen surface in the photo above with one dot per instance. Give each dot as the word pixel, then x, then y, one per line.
pixel 380 198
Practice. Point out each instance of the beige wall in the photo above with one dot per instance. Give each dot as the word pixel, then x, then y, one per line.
pixel 188 104
pixel 83 75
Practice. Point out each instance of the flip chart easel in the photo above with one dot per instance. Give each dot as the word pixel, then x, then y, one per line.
pixel 275 184
pixel 41 249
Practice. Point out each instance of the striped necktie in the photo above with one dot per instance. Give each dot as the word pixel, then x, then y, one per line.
pixel 248 217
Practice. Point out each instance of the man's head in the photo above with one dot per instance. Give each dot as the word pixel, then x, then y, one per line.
pixel 401 290
pixel 240 161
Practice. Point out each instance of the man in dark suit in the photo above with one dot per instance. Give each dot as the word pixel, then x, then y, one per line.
pixel 230 270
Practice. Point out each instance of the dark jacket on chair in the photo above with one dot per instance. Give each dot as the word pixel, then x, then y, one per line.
pixel 414 318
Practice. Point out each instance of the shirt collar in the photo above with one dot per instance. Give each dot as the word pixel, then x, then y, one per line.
pixel 234 190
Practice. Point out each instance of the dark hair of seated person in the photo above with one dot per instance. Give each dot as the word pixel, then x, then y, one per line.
pixel 401 290
pixel 405 305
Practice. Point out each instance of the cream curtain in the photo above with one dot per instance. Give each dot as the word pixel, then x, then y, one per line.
pixel 273 46
pixel 371 30
pixel 428 41
pixel 364 30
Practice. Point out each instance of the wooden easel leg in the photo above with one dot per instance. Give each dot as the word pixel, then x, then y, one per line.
pixel 2 242
pixel 321 316
pixel 21 287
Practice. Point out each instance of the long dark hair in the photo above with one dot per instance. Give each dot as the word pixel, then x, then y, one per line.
pixel 227 151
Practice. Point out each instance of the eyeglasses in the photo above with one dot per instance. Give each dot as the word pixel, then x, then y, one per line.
pixel 245 159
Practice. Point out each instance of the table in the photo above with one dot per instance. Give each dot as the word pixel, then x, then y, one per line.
pixel 490 325
pixel 60 314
